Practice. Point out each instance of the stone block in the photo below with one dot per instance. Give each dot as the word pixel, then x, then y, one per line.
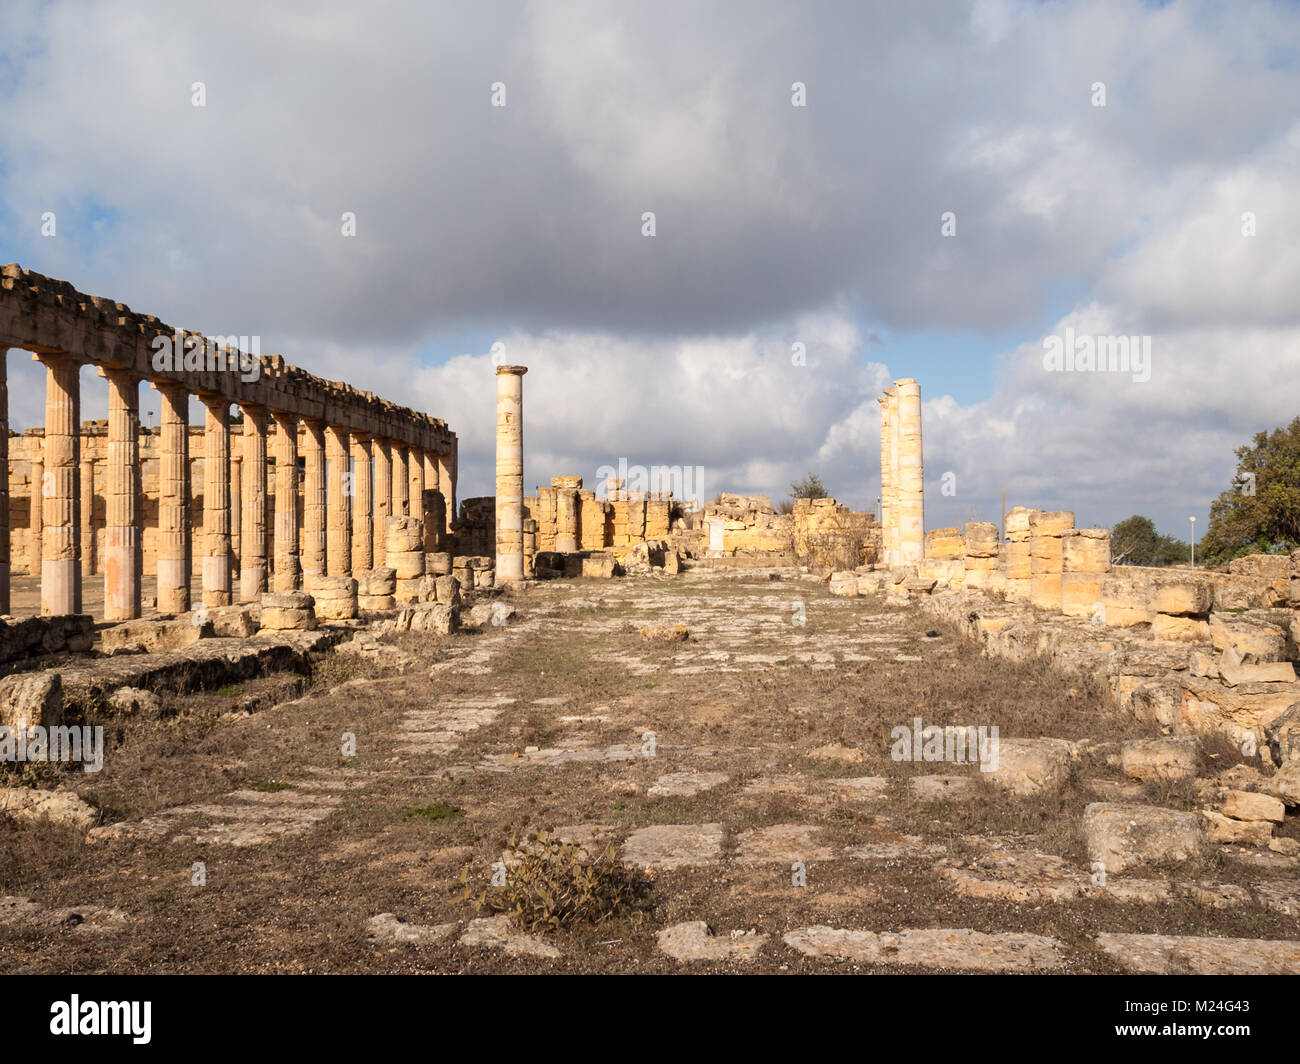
pixel 1175 758
pixel 1122 835
pixel 33 698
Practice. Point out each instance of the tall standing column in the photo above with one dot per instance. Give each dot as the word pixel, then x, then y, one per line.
pixel 124 516
pixel 313 518
pixel 236 505
pixel 362 507
pixel 401 483
pixel 510 473
pixel 174 547
pixel 288 568
pixel 5 556
pixel 911 474
pixel 87 484
pixel 447 484
pixel 886 471
pixel 415 490
pixel 895 554
pixel 61 553
pixel 36 504
pixel 216 502
pixel 338 553
pixel 451 486
pixel 382 490
pixel 252 507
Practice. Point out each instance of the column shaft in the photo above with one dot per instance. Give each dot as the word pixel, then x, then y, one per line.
pixel 362 507
pixel 446 485
pixel 510 474
pixel 5 555
pixel 911 475
pixel 382 491
pixel 338 556
pixel 174 546
pixel 216 502
pixel 252 508
pixel 313 530
pixel 61 553
pixel 401 483
pixel 36 504
pixel 124 515
pixel 288 569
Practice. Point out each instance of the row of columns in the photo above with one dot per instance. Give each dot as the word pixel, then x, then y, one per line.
pixel 902 474
pixel 339 515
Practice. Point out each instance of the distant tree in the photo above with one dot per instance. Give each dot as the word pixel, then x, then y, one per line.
pixel 1260 513
pixel 811 487
pixel 1135 541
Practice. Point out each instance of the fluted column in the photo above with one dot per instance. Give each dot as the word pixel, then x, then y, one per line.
pixel 313 530
pixel 447 484
pixel 87 484
pixel 123 513
pixel 216 502
pixel 401 483
pixel 510 474
pixel 5 555
pixel 382 491
pixel 415 490
pixel 362 506
pixel 236 504
pixel 911 475
pixel 338 555
pixel 61 553
pixel 174 548
pixel 36 504
pixel 288 569
pixel 252 507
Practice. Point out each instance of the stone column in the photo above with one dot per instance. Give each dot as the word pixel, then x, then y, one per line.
pixel 174 547
pixel 313 530
pixel 510 474
pixel 288 570
pixel 61 542
pixel 362 507
pixel 382 491
pixel 911 474
pixel 566 519
pixel 5 556
pixel 415 487
pixel 236 506
pixel 451 483
pixel 216 501
pixel 36 504
pixel 886 480
pixel 401 483
pixel 124 515
pixel 446 484
pixel 87 506
pixel 252 508
pixel 338 553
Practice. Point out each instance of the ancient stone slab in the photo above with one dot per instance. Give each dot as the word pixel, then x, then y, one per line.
pixel 497 933
pixel 694 941
pixel 1028 766
pixel 1120 836
pixel 959 949
pixel 673 845
pixel 1175 758
pixel 389 927
pixel 782 844
pixel 1189 955
pixel 686 784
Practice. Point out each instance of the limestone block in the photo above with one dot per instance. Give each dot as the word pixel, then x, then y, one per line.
pixel 335 597
pixel 1180 597
pixel 1222 829
pixel 844 585
pixel 1120 836
pixel 1247 805
pixel 1285 783
pixel 1176 758
pixel 438 563
pixel 1080 594
pixel 1124 600
pixel 1017 521
pixel 377 582
pixel 981 539
pixel 944 543
pixel 31 698
pixel 288 611
pixel 1283 735
pixel 407 565
pixel 1045 555
pixel 233 622
pixel 1050 522
pixel 408 588
pixel 1028 766
pixel 1018 562
pixel 464 577
pixel 1255 641
pixel 484 578
pixel 1234 672
pixel 376 603
pixel 431 617
pixel 447 591
pixel 1045 591
pixel 600 566
pixel 404 535
pixel 1085 550
pixel 1179 629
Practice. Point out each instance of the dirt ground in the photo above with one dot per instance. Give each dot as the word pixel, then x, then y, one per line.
pixel 721 764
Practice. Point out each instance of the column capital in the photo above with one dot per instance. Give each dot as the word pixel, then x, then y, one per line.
pixel 517 371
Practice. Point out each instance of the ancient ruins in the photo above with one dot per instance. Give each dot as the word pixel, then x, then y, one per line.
pixel 732 686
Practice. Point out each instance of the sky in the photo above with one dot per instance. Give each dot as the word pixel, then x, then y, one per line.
pixel 927 190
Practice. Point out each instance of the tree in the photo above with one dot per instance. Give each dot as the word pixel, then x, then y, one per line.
pixel 811 487
pixel 1135 541
pixel 1260 513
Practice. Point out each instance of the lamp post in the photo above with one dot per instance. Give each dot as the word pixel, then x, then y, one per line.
pixel 1193 521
